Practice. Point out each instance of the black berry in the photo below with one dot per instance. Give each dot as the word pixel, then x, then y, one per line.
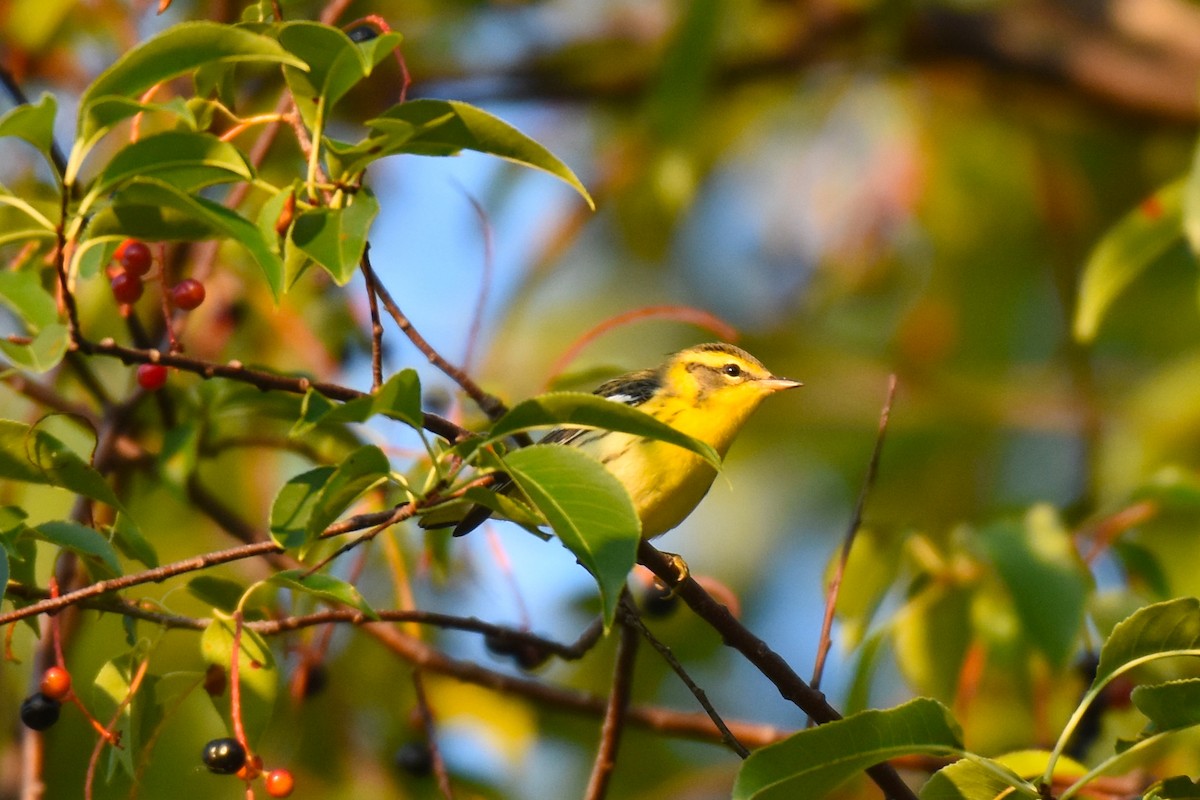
pixel 224 756
pixel 362 33
pixel 39 711
pixel 415 759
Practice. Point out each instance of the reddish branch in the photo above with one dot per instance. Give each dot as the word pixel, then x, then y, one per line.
pixel 614 714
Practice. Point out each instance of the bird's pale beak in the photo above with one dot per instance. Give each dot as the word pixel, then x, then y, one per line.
pixel 777 384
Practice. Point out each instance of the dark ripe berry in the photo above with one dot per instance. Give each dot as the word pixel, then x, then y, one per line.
pixel 151 376
pixel 215 680
pixel 362 33
pixel 187 294
pixel 134 257
pixel 224 756
pixel 499 644
pixel 126 287
pixel 530 656
pixel 658 601
pixel 56 683
pixel 415 759
pixel 316 680
pixel 39 711
pixel 279 783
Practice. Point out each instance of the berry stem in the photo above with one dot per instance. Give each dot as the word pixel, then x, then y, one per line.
pixel 235 685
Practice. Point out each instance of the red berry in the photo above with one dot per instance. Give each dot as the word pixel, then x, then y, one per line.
pixel 56 683
pixel 126 287
pixel 151 376
pixel 187 294
pixel 280 783
pixel 134 256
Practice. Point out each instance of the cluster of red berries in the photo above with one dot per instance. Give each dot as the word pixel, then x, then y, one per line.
pixel 135 261
pixel 40 710
pixel 227 756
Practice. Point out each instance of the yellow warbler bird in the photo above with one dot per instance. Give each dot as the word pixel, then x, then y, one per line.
pixel 707 392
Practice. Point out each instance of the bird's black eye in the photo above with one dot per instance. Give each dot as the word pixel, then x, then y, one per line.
pixel 732 370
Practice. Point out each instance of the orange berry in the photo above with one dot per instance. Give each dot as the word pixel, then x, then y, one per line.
pixel 56 683
pixel 280 783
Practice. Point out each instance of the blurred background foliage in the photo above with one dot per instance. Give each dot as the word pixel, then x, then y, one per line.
pixel 860 188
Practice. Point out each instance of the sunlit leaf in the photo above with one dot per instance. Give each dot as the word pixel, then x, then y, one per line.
pixel 186 160
pixel 43 352
pixel 176 51
pixel 592 411
pixel 1170 627
pixel 31 455
pixel 1048 584
pixel 469 128
pixel 257 674
pixel 324 587
pixel 357 472
pixel 1132 245
pixel 588 509
pixel 335 238
pixel 293 507
pixel 34 123
pixel 84 542
pixel 334 64
pixel 813 762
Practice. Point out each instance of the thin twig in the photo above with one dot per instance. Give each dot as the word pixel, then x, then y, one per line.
pixel 489 403
pixel 436 761
pixel 614 714
pixel 485 282
pixel 632 618
pixel 835 584
pixel 376 334
pixel 773 667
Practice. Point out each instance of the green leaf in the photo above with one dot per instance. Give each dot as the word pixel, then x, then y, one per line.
pixel 85 542
pixel 1132 245
pixel 219 593
pixel 324 587
pixel 1155 631
pixel 466 127
pixel 110 693
pixel 335 64
pixel 130 541
pixel 813 762
pixel 31 455
pixel 176 51
pixel 587 507
pixel 1170 706
pixel 257 674
pixel 22 291
pixel 1047 582
pixel 1179 787
pixel 293 507
pixel 358 472
pixel 335 238
pixel 592 411
pixel 108 111
pixel 932 634
pixel 43 353
pixel 977 778
pixel 34 123
pixel 147 208
pixel 187 160
pixel 399 398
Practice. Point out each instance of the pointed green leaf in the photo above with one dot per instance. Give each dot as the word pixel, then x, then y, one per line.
pixel 257 673
pixel 335 64
pixel 150 209
pixel 324 587
pixel 335 238
pixel 187 160
pixel 1132 245
pixel 813 762
pixel 130 541
pixel 23 292
pixel 592 411
pixel 587 507
pixel 1046 580
pixel 1173 705
pixel 84 542
pixel 1008 776
pixel 33 456
pixel 293 507
pixel 399 398
pixel 219 593
pixel 358 472
pixel 176 51
pixel 471 128
pixel 1168 628
pixel 43 353
pixel 111 695
pixel 34 123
